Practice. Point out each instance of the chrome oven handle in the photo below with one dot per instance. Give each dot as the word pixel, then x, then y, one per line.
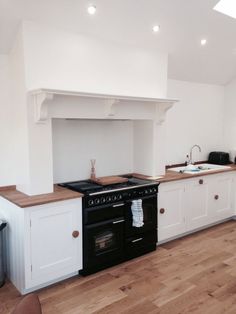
pixel 118 205
pixel 118 221
pixel 137 240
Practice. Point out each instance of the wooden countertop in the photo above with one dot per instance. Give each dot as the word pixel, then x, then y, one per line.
pixel 61 194
pixel 176 176
pixel 22 200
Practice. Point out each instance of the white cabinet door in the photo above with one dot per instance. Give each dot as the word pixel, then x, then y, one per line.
pixel 55 250
pixel 171 221
pixel 196 203
pixel 221 197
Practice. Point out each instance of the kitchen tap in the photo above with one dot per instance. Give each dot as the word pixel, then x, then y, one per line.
pixel 191 153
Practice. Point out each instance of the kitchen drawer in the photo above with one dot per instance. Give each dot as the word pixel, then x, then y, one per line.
pixel 141 244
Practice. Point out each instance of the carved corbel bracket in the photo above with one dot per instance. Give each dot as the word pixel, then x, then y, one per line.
pixel 161 110
pixel 109 107
pixel 41 106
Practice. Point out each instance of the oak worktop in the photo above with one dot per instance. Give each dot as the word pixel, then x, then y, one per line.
pixel 176 176
pixel 61 194
pixel 22 200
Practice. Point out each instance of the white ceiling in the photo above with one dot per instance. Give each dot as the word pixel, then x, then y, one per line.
pixel 183 23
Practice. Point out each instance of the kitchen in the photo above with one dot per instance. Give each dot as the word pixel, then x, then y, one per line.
pixel 73 97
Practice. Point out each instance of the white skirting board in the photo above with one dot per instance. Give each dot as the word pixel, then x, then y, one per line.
pixel 25 291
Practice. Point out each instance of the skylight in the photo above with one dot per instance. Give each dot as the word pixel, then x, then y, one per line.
pixel 227 7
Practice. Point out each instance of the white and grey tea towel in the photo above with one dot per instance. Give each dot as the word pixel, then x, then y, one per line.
pixel 137 212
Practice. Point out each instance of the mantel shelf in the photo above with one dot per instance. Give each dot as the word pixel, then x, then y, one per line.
pixel 41 98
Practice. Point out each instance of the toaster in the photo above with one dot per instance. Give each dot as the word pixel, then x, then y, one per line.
pixel 219 158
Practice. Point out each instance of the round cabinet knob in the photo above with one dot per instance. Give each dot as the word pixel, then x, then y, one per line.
pixel 201 181
pixel 216 197
pixel 162 210
pixel 75 234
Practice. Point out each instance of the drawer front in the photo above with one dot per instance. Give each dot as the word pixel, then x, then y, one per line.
pixel 141 244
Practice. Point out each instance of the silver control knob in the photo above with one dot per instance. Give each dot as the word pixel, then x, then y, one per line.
pixel 90 202
pixel 97 201
pixel 108 199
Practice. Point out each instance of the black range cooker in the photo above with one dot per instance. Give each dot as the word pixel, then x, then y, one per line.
pixel 108 235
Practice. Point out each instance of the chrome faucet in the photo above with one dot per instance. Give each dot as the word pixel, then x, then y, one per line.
pixel 191 153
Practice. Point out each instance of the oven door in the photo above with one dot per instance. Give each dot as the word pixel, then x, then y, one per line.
pixel 149 205
pixel 103 244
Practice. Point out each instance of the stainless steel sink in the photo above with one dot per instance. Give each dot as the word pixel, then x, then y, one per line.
pixel 200 168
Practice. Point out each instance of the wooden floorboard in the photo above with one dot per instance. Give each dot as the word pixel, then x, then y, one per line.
pixel 195 274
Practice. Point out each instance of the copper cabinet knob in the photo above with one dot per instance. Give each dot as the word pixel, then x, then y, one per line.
pixel 75 234
pixel 200 181
pixel 216 197
pixel 162 210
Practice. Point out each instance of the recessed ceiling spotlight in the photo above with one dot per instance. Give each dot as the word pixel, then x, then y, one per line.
pixel 227 7
pixel 92 9
pixel 156 28
pixel 203 42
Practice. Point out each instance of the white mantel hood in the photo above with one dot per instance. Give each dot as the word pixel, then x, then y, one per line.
pixel 50 103
pixel 43 105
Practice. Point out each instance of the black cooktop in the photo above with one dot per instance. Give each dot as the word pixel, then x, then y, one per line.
pixel 87 186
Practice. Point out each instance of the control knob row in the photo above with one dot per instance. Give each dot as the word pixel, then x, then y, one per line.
pixel 148 191
pixel 152 190
pixel 103 199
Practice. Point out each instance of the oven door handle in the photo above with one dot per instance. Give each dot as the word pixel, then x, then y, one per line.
pixel 137 240
pixel 118 205
pixel 118 221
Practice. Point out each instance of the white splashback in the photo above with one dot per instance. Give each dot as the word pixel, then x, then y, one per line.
pixel 75 142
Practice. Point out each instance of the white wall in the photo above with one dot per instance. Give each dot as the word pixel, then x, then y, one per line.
pixel 75 142
pixel 7 127
pixel 60 60
pixel 230 116
pixel 196 119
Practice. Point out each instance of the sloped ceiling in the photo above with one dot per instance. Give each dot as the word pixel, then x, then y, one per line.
pixel 183 23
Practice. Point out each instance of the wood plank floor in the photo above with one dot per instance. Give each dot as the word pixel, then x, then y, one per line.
pixel 195 274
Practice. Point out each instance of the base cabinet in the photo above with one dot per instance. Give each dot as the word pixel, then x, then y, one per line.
pixel 221 198
pixel 55 242
pixel 171 217
pixel 186 205
pixel 44 242
pixel 196 203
